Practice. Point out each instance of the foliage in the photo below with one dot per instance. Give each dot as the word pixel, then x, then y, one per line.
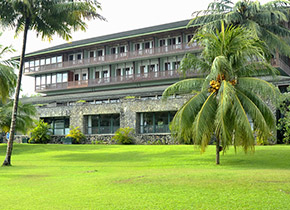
pixel 46 18
pixel 76 134
pixel 24 123
pixel 284 121
pixel 7 75
pixel 41 134
pixel 266 21
pixel 124 136
pixel 228 95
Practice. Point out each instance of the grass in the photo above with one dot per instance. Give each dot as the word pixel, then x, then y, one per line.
pixel 143 177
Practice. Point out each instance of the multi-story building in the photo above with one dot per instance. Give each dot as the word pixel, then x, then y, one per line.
pixel 103 83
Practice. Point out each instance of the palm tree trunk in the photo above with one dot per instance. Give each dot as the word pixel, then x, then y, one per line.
pixel 7 161
pixel 218 151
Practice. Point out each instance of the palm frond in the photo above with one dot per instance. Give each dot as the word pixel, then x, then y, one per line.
pixel 182 122
pixel 184 87
pixel 203 125
pixel 264 89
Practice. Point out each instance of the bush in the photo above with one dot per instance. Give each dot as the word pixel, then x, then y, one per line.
pixel 124 135
pixel 41 134
pixel 77 135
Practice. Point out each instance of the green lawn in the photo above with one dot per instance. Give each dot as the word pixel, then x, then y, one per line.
pixel 143 177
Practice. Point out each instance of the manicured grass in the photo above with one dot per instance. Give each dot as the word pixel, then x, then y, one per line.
pixel 143 177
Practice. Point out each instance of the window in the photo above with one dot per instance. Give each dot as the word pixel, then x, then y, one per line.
pixel 53 60
pixel 47 61
pixel 48 79
pixel 59 59
pixel 189 37
pixel 58 77
pixel 127 71
pixel 161 42
pixel 105 74
pixel 155 122
pixel 84 77
pixel 137 46
pixel 79 56
pixel 71 57
pixel 151 67
pixel 92 54
pixel 59 125
pixel 38 80
pixel 122 49
pixel 42 62
pixel 53 79
pixel 43 80
pixel 64 77
pixel 102 124
pixel 100 53
pixel 176 64
pixel 147 45
pixel 113 50
pixel 167 66
pixel 76 77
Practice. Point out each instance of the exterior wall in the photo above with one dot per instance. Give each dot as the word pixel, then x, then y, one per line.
pixel 127 108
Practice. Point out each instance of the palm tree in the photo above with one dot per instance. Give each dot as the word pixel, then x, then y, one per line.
pixel 268 21
pixel 7 75
pixel 25 114
pixel 229 95
pixel 46 18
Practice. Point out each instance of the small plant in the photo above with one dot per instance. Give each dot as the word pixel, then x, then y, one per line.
pixel 41 134
pixel 81 101
pixel 76 134
pixel 124 135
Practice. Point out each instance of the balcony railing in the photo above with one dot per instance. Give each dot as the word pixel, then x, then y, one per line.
pixel 114 58
pixel 151 76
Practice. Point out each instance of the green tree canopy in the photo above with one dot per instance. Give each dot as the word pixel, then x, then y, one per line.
pixel 46 18
pixel 25 115
pixel 268 21
pixel 7 75
pixel 229 95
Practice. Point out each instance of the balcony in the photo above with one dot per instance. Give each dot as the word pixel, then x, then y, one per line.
pixel 133 78
pixel 126 56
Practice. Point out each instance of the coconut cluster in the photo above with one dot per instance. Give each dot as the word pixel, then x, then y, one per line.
pixel 215 85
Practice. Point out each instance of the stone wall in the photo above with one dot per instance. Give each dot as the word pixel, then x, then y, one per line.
pixel 127 108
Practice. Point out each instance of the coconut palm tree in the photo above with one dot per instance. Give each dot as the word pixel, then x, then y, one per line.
pixel 46 18
pixel 229 95
pixel 25 115
pixel 7 75
pixel 268 21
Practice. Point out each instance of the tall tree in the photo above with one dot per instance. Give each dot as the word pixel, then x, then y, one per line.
pixel 228 95
pixel 7 75
pixel 268 21
pixel 46 18
pixel 25 114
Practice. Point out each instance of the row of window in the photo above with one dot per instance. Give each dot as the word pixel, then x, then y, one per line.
pixel 34 65
pixel 82 75
pixel 151 122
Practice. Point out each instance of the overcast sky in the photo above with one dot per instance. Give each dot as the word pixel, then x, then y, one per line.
pixel 121 16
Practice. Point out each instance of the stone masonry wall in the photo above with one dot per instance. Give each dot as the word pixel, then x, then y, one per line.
pixel 127 108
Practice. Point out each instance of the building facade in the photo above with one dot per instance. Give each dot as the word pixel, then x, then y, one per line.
pixel 104 83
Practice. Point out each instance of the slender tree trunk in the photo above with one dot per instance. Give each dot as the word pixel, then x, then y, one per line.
pixel 7 161
pixel 218 151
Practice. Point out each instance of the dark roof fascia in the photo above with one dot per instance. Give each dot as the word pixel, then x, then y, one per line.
pixel 103 39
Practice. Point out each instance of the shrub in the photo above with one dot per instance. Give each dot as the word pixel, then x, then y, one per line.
pixel 76 134
pixel 124 135
pixel 41 133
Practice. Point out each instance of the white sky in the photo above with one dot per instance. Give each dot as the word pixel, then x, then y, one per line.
pixel 121 16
